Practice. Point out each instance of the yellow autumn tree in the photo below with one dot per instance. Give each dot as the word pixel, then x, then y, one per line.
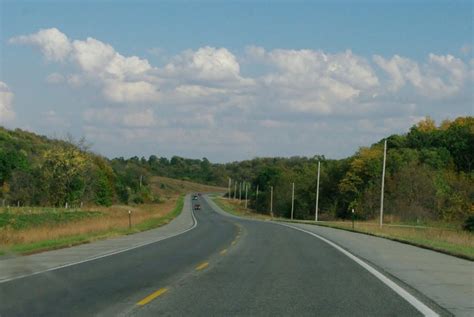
pixel 426 125
pixel 362 179
pixel 63 168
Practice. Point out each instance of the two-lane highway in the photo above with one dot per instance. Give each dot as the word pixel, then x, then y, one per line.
pixel 114 284
pixel 225 266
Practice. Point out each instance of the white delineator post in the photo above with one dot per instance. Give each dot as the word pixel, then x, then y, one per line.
pixel 317 193
pixel 383 182
pixel 292 200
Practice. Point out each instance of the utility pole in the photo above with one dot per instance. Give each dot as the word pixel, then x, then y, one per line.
pixel 240 191
pixel 230 181
pixel 383 182
pixel 246 189
pixel 317 193
pixel 292 201
pixel 235 189
pixel 141 179
pixel 271 201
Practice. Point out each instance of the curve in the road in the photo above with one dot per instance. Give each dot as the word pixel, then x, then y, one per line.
pixel 225 266
pixel 106 254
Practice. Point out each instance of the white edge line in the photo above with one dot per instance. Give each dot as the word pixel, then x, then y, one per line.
pixel 422 308
pixel 105 255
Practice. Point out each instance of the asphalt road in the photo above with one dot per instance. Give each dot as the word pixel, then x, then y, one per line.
pixel 223 267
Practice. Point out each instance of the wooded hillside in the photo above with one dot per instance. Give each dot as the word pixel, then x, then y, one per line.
pixel 429 175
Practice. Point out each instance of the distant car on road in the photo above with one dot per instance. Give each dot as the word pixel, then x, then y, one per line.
pixel 195 197
pixel 197 207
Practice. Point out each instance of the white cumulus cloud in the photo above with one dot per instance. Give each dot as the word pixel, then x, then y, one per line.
pixel 54 44
pixel 442 76
pixel 208 64
pixel 315 81
pixel 122 79
pixel 222 99
pixel 6 103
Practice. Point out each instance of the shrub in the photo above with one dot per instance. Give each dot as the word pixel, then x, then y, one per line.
pixel 469 224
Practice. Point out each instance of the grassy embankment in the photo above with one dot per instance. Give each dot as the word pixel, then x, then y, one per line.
pixel 238 209
pixel 439 237
pixel 28 230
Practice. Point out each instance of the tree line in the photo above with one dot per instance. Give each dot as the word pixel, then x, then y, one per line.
pixel 429 175
pixel 38 171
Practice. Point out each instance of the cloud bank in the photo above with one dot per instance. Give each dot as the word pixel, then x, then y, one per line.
pixel 233 99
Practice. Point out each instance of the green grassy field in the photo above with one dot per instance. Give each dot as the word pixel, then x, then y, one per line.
pixel 23 218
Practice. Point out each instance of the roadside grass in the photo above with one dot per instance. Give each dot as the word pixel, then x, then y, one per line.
pixel 237 208
pixel 450 241
pixel 443 238
pixel 109 222
pixel 23 218
pixel 160 221
pixel 168 187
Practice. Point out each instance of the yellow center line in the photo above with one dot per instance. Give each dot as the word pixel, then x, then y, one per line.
pixel 152 296
pixel 223 251
pixel 202 266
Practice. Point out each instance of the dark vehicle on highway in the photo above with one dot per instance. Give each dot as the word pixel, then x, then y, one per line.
pixel 197 207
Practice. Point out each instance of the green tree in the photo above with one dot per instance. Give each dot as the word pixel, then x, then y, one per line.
pixel 63 169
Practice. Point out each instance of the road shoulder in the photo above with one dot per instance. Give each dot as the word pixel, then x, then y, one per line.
pixel 17 267
pixel 446 280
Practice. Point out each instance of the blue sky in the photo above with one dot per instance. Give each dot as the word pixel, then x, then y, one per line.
pixel 234 80
pixel 409 28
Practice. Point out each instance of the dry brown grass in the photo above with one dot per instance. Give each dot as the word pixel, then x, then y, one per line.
pixel 168 187
pixel 442 238
pixel 114 217
pixel 110 221
pixel 441 235
pixel 237 207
